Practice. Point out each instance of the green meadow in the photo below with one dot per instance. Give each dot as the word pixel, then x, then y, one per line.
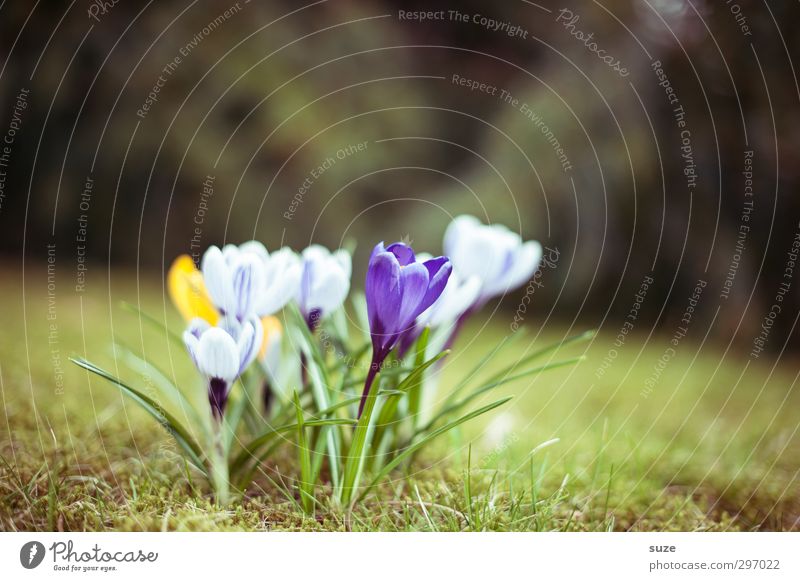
pixel 712 446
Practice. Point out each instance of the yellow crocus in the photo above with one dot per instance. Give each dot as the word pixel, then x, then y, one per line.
pixel 188 291
pixel 273 331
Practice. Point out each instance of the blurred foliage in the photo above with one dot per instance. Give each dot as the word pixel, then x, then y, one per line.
pixel 278 87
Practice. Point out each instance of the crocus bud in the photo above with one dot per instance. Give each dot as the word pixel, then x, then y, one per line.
pixel 324 283
pixel 222 353
pixel 398 290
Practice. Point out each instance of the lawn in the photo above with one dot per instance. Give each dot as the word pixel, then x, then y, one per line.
pixel 713 446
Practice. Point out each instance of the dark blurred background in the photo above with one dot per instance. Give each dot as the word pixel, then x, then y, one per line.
pixel 265 92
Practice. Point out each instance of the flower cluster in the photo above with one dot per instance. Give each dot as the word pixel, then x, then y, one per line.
pixel 230 302
pixel 416 304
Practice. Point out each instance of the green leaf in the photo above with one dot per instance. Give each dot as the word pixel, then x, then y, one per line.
pixel 359 301
pixel 152 321
pixel 421 443
pixel 159 378
pixel 344 403
pixel 320 382
pixel 306 486
pixel 412 381
pixel 169 423
pixel 415 390
pixel 388 372
pixel 544 351
pixel 233 416
pixel 249 452
pixel 505 342
pixel 489 386
pixel 355 457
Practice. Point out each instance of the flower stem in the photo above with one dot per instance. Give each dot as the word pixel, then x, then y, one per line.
pixel 359 446
pixel 219 468
pixel 374 368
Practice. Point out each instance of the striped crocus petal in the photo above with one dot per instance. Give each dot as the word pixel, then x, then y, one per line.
pixel 222 353
pixel 235 280
pixel 218 279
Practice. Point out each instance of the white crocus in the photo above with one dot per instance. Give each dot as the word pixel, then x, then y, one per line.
pixel 246 280
pixel 324 283
pixel 234 280
pixel 222 353
pixel 282 272
pixel 494 254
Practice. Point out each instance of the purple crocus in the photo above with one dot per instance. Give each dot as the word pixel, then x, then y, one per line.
pixel 398 290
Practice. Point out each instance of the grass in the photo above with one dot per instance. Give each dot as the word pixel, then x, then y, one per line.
pixel 714 446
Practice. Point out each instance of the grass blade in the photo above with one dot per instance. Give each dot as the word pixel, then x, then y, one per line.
pixel 306 485
pixel 320 383
pixel 355 457
pixel 163 417
pixel 421 443
pixel 489 386
pixel 505 342
pixel 176 396
pixel 415 389
pixel 152 321
pixel 539 353
pixel 270 434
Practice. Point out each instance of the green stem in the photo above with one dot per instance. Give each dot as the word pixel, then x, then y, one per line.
pixel 220 478
pixel 355 457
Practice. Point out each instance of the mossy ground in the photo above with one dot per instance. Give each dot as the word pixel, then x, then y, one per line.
pixel 713 447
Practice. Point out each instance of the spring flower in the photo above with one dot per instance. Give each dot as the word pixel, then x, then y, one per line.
pixel 492 253
pixel 188 291
pixel 246 280
pixel 324 283
pixel 458 296
pixel 222 353
pixel 398 290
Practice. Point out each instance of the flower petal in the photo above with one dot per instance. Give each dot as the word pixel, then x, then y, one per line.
pixel 383 296
pixel 188 291
pixel 216 275
pixel 192 345
pixel 273 334
pixel 525 264
pixel 248 278
pixel 218 355
pixel 414 280
pixel 249 343
pixel 282 279
pixel 325 281
pixel 403 252
pixel 439 270
pixel 255 247
pixel 345 261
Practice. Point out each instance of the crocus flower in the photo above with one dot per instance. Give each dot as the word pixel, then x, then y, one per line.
pixel 222 353
pixel 458 296
pixel 188 291
pixel 398 290
pixel 492 253
pixel 282 272
pixel 245 281
pixel 324 283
